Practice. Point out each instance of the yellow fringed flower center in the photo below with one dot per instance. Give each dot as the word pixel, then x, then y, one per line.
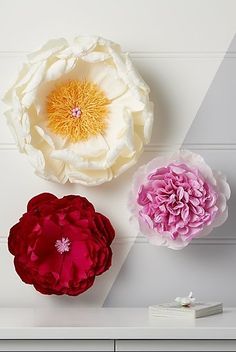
pixel 77 110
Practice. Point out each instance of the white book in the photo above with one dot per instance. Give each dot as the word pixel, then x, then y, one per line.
pixel 196 310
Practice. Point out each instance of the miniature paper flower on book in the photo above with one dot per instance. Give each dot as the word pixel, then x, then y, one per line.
pixel 61 245
pixel 185 301
pixel 176 199
pixel 80 111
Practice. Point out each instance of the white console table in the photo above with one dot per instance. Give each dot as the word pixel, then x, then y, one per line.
pixel 113 329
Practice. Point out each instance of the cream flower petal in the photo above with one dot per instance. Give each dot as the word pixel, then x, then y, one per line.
pixel 66 53
pixel 130 101
pixel 60 68
pixel 36 157
pixel 123 163
pixel 148 121
pixel 95 56
pixel 87 152
pixel 94 148
pixel 47 168
pixel 83 44
pixel 70 64
pixel 36 79
pixel 45 136
pixel 24 74
pixel 50 48
pixel 56 70
pixel 119 120
pixel 107 78
pixel 57 141
pixel 89 177
pixel 17 132
pixel 143 121
pixel 29 98
pixel 71 158
pixel 127 73
pixel 133 77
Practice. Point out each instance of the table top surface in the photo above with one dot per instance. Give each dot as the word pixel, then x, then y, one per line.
pixel 111 323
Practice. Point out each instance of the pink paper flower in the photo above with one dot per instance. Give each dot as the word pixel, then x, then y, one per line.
pixel 178 198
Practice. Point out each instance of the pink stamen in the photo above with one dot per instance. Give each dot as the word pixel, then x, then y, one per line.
pixel 63 245
pixel 76 112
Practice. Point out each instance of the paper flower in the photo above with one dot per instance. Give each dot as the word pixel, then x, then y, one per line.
pixel 80 111
pixel 186 301
pixel 178 198
pixel 61 245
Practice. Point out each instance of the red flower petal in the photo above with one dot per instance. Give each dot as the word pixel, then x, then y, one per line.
pixel 39 199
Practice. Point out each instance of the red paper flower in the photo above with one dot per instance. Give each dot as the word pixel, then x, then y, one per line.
pixel 60 245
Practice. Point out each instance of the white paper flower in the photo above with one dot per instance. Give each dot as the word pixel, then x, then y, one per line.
pixel 80 111
pixel 185 301
pixel 178 198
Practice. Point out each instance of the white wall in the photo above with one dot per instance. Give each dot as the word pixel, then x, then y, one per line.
pixel 178 47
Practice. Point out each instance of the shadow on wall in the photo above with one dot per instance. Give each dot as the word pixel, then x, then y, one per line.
pixel 156 274
pixel 162 113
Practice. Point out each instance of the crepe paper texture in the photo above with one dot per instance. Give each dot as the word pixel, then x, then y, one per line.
pixel 177 198
pixel 80 111
pixel 61 245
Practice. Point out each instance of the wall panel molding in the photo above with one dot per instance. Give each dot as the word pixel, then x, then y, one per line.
pixel 150 54
pixel 141 240
pixel 157 147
